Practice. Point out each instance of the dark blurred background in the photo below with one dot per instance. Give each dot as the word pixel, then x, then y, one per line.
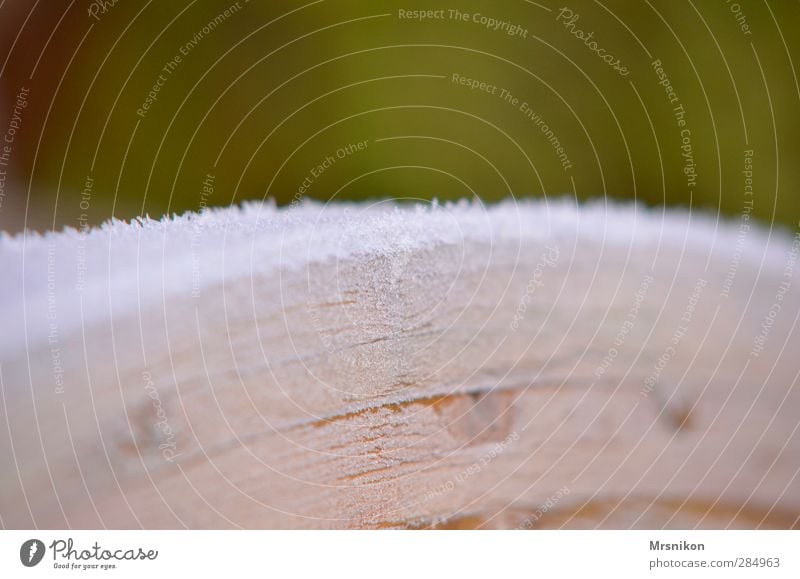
pixel 266 92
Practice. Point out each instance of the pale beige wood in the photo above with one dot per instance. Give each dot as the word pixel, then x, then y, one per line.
pixel 385 375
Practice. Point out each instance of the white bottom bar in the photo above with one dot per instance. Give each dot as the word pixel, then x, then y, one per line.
pixel 400 554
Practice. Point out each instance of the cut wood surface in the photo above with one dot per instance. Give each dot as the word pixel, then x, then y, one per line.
pixel 535 365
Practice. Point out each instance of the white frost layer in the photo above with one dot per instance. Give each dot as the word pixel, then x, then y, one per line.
pixel 81 278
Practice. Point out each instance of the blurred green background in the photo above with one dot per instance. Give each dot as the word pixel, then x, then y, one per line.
pixel 265 92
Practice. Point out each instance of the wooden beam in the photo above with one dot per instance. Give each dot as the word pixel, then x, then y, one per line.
pixel 519 366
